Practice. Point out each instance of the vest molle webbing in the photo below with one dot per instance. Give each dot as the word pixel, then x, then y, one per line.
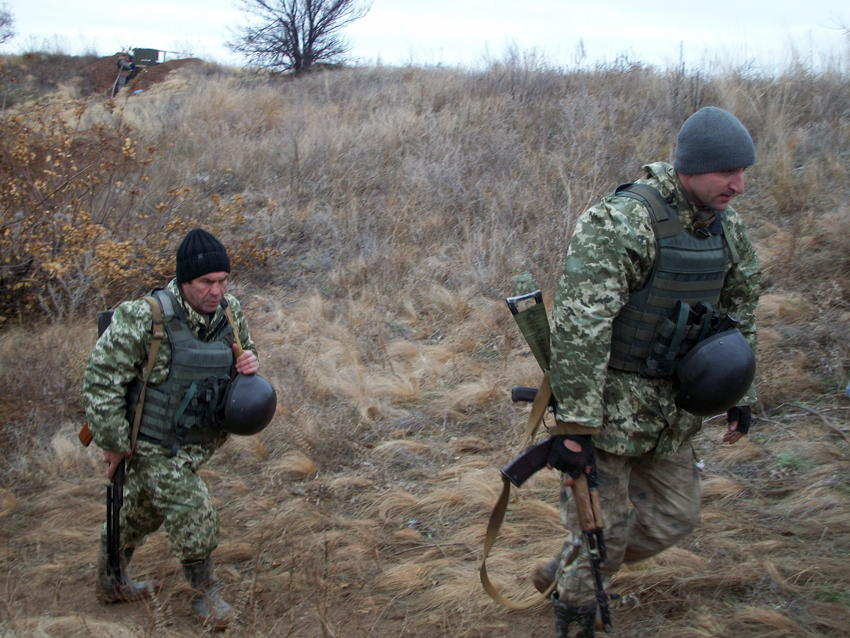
pixel 672 311
pixel 186 408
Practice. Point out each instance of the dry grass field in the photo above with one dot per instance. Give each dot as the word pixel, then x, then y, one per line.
pixel 389 213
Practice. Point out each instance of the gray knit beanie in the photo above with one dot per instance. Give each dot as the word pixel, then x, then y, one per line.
pixel 713 140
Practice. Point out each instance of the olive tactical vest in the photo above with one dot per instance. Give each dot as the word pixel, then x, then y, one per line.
pixel 674 310
pixel 186 408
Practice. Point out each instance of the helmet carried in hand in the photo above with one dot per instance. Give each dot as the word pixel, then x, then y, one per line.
pixel 249 405
pixel 715 374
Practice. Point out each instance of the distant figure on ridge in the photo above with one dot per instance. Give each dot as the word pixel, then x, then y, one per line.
pixel 126 70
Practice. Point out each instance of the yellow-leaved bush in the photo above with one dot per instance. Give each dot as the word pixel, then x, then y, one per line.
pixel 80 222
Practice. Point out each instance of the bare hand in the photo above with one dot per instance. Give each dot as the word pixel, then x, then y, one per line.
pixel 732 436
pixel 247 362
pixel 113 458
pixel 739 417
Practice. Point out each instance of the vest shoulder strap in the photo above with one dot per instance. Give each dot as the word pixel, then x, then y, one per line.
pixel 733 252
pixel 665 221
pixel 156 340
pixel 167 302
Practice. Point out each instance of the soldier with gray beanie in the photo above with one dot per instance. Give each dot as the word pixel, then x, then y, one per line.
pixel 642 350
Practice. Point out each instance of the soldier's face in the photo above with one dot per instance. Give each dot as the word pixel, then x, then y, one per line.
pixel 205 293
pixel 714 190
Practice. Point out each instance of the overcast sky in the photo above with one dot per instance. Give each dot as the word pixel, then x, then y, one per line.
pixel 466 32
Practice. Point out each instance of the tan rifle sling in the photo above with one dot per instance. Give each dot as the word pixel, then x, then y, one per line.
pixel 538 411
pixel 155 341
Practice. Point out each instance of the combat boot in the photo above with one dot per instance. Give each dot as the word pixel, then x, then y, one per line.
pixel 573 622
pixel 206 599
pixel 544 575
pixel 110 589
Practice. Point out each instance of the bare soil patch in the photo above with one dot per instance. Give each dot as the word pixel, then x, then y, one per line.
pixel 98 77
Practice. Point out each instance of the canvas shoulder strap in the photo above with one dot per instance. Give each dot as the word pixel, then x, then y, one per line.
pixel 156 340
pixel 496 518
pixel 538 411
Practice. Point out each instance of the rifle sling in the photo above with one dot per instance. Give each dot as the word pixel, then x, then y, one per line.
pixel 496 518
pixel 155 341
pixel 236 338
pixel 538 410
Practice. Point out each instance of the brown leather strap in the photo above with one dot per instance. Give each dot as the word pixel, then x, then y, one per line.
pixel 155 341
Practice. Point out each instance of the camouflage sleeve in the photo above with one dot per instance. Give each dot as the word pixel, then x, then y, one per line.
pixel 117 359
pixel 740 294
pixel 241 325
pixel 611 253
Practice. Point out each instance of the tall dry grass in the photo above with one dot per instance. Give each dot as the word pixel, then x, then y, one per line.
pixel 405 203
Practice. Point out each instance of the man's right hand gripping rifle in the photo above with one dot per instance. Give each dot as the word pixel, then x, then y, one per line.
pixel 572 454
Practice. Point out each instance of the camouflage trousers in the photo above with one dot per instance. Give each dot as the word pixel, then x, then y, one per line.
pixel 167 491
pixel 647 504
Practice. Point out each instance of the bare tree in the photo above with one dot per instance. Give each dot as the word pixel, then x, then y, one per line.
pixel 7 23
pixel 295 34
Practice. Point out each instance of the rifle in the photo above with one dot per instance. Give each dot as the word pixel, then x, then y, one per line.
pixel 586 496
pixel 115 489
pixel 534 326
pixel 114 503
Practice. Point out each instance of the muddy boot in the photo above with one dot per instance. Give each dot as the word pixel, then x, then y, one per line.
pixel 206 599
pixel 573 622
pixel 544 575
pixel 112 590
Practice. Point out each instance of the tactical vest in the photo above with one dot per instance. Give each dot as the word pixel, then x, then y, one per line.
pixel 676 308
pixel 187 407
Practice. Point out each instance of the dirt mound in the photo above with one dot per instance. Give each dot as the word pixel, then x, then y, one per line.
pixel 100 76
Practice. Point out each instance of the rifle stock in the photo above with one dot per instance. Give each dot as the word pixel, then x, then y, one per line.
pixel 85 435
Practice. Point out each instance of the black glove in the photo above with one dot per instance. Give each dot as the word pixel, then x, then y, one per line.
pixel 572 463
pixel 743 415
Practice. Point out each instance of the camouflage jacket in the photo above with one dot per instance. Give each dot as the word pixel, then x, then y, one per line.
pixel 121 355
pixel 611 254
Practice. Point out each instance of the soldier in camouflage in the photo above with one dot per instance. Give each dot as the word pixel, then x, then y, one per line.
pixel 162 485
pixel 648 480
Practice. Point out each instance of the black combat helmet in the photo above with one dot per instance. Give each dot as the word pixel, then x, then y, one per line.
pixel 249 405
pixel 715 374
pixel 251 401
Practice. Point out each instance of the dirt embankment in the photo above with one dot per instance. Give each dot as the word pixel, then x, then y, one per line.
pixel 100 76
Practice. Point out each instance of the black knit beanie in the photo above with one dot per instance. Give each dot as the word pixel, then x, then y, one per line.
pixel 200 254
pixel 713 140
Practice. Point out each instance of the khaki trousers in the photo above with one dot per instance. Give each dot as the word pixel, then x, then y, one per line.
pixel 647 504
